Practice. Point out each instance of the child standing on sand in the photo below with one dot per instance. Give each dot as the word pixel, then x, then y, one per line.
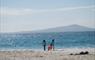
pixel 44 45
pixel 49 47
pixel 52 43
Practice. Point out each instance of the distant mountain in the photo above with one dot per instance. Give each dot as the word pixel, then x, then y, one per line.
pixel 70 28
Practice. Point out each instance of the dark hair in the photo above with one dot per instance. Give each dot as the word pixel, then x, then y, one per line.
pixel 43 40
pixel 53 39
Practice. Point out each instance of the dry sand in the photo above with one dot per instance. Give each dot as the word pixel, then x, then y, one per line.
pixel 44 55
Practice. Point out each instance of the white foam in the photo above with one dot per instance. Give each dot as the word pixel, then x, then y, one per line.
pixel 65 50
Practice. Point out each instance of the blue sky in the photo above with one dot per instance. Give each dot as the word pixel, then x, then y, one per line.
pixel 29 15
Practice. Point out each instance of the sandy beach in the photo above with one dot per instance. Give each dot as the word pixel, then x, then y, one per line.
pixel 59 54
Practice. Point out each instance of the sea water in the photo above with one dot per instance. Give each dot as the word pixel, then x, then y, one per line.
pixel 34 40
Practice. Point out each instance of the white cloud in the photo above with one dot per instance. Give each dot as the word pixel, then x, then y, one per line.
pixel 14 12
pixel 66 9
pixel 24 11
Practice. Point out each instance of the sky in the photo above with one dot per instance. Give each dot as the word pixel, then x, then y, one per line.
pixel 30 15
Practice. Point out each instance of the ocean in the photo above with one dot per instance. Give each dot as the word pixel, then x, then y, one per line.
pixel 34 40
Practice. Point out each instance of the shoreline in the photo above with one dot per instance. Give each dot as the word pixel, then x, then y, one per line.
pixel 58 54
pixel 41 49
pixel 65 50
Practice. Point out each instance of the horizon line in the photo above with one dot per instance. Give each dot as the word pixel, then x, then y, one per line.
pixel 47 28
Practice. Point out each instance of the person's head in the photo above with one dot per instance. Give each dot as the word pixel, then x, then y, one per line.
pixel 52 39
pixel 44 41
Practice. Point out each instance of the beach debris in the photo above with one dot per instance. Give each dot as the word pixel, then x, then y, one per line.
pixel 81 53
pixel 71 54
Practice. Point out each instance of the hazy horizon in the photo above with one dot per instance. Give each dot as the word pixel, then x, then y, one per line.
pixel 30 15
pixel 46 29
